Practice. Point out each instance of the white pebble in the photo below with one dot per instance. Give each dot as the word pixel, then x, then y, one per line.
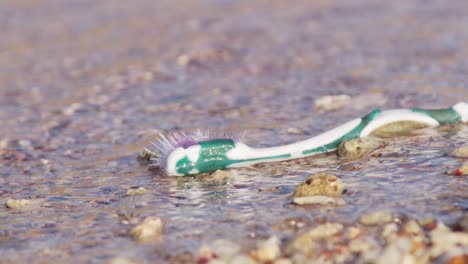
pixel 460 152
pixel 268 250
pixel 315 199
pixel 332 102
pixel 149 228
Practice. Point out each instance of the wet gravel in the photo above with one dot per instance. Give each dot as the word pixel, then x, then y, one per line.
pixel 84 85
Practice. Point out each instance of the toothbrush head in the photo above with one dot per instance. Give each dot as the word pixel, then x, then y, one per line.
pixel 182 153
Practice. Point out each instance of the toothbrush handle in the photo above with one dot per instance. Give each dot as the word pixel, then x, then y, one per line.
pixel 375 121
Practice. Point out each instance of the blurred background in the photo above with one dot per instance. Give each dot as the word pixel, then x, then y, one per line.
pixel 220 63
pixel 84 86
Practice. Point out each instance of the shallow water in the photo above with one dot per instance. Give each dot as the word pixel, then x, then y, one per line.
pixel 85 84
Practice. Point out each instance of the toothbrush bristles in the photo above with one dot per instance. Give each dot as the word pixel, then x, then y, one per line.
pixel 164 143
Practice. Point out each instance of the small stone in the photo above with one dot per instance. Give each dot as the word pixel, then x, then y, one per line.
pixel 459 259
pixel 317 199
pixel 206 254
pixel 220 175
pixel 23 204
pixel 225 249
pixel 358 148
pixel 413 228
pixel 399 128
pixel 4 143
pixel 352 232
pixel 218 261
pixel 269 188
pixel 181 258
pixel 376 218
pixel 390 231
pixel 268 250
pixel 295 131
pixel 324 231
pixel 283 261
pixel 147 76
pixel 148 229
pixel 320 184
pixel 461 224
pixel 24 143
pixel 183 60
pixel 309 242
pixel 15 204
pixel 362 245
pixel 136 191
pixel 444 240
pixel 242 259
pixel 121 260
pixel 397 252
pixel 145 157
pixel 461 171
pixel 72 109
pixel 332 102
pixel 459 152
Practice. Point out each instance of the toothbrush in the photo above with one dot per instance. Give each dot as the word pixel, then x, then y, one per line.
pixel 182 154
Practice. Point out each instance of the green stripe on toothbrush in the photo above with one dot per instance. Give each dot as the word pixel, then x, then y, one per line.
pixel 213 156
pixel 354 133
pixel 443 116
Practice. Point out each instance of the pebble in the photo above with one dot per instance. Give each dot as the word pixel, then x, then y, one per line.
pixel 357 148
pixel 206 254
pixel 324 231
pixel 136 191
pixel 376 218
pixel 295 131
pixel 412 228
pixel 459 152
pixel 121 260
pixel 308 242
pixel 332 102
pixel 221 251
pixel 148 229
pixel 22 204
pixel 398 252
pixel 461 224
pixel 283 261
pixel 352 232
pixel 457 255
pixel 220 175
pixel 317 199
pixel 24 143
pixel 4 143
pixel 460 171
pixel 390 231
pixel 72 109
pixel 446 240
pixel 225 249
pixel 268 250
pixel 145 157
pixel 15 204
pixel 363 245
pixel 242 259
pixel 399 128
pixel 183 60
pixel 320 184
